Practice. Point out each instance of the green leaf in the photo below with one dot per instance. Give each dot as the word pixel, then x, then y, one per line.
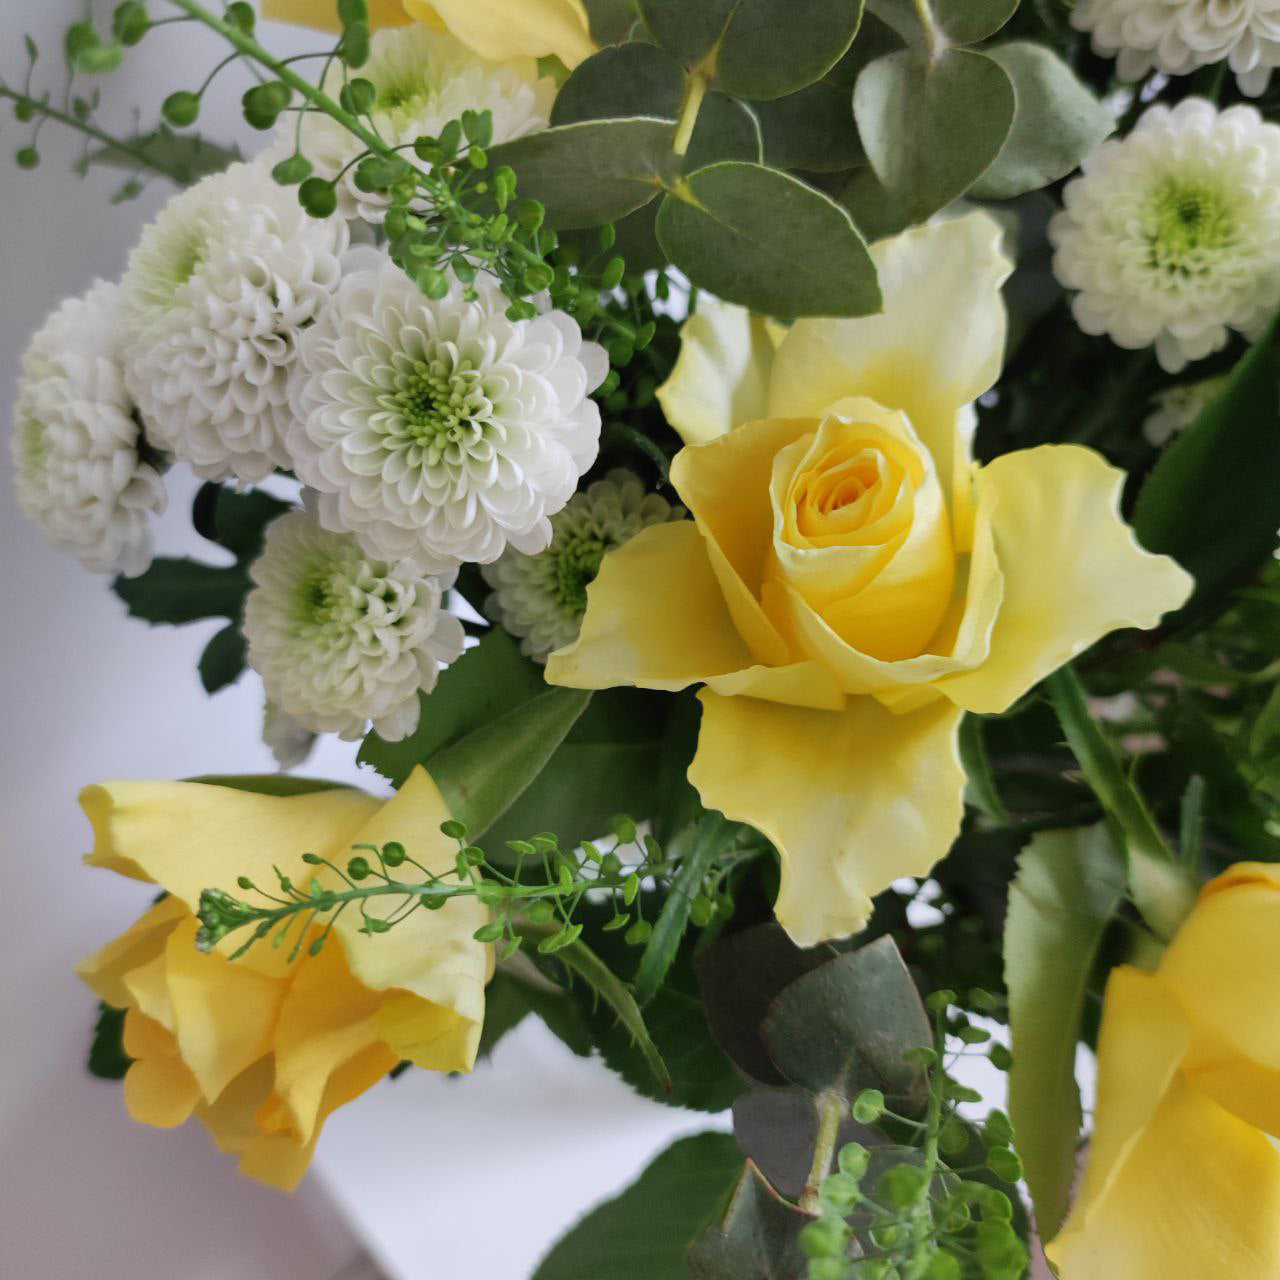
pixel 980 788
pixel 591 172
pixel 175 591
pixel 930 129
pixel 726 130
pixel 1213 499
pixel 710 838
pixel 1068 888
pixel 633 79
pixel 107 1058
pixel 269 784
pixel 642 1233
pixel 187 156
pixel 1056 124
pixel 483 773
pixel 811 130
pixel 489 679
pixel 739 977
pixel 610 21
pixel 968 21
pixel 236 520
pixel 755 48
pixel 762 239
pixel 1265 735
pixel 222 661
pixel 845 1026
pixel 759 1239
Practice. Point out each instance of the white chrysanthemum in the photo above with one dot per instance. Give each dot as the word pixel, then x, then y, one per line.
pixel 213 301
pixel 1177 36
pixel 440 430
pixel 1172 236
pixel 340 639
pixel 76 440
pixel 541 598
pixel 290 740
pixel 423 79
pixel 1176 408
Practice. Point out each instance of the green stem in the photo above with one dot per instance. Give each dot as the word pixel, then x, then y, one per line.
pixel 695 90
pixel 928 29
pixel 1161 887
pixel 90 131
pixel 831 1111
pixel 922 1224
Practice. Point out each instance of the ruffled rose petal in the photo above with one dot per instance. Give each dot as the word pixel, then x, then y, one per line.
pixel 853 799
pixel 721 377
pixel 1073 570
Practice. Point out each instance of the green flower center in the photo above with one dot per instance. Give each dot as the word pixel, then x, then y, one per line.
pixel 437 405
pixel 1191 221
pixel 34 447
pixel 576 565
pixel 323 596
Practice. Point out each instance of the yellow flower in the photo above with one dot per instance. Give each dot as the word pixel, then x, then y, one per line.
pixel 495 29
pixel 259 1049
pixel 1183 1182
pixel 852 583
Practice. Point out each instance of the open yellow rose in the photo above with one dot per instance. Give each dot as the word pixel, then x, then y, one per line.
pixel 495 29
pixel 1183 1182
pixel 260 1049
pixel 851 583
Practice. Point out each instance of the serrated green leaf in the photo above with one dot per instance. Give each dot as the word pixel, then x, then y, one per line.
pixel 222 661
pixel 188 157
pixel 1056 124
pixel 642 1233
pixel 1212 501
pixel 175 591
pixel 107 1058
pixel 269 784
pixel 930 128
pixel 1068 887
pixel 762 239
pixel 633 79
pixel 591 172
pixel 755 48
pixel 236 520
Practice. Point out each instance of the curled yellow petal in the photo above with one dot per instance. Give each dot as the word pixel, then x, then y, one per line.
pixel 1072 570
pixel 721 376
pixel 1176 1187
pixel 323 14
pixel 502 29
pixel 852 799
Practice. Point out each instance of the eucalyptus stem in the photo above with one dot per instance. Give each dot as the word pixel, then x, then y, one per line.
pixel 928 28
pixel 695 91
pixel 831 1111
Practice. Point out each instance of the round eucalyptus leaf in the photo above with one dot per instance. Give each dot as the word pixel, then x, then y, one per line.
pixel 968 21
pixel 1057 122
pixel 812 129
pixel 762 239
pixel 931 127
pixel 633 79
pixel 726 130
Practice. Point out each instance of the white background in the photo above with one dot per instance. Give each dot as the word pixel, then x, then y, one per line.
pixel 446 1179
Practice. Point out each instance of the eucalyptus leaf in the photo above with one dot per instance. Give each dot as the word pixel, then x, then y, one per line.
pixel 634 79
pixel 1057 123
pixel 968 21
pixel 1213 499
pixel 1067 890
pixel 931 128
pixel 726 130
pixel 762 239
pixel 591 172
pixel 758 1240
pixel 643 1232
pixel 755 48
pixel 845 1026
pixel 812 129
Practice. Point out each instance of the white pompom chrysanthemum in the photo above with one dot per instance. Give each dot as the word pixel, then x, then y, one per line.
pixel 441 431
pixel 423 79
pixel 76 444
pixel 1178 36
pixel 214 298
pixel 541 598
pixel 1172 236
pixel 340 639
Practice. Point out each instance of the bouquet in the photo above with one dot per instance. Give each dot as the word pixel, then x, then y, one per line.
pixel 784 498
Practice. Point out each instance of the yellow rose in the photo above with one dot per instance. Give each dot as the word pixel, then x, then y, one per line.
pixel 852 584
pixel 495 29
pixel 1183 1182
pixel 259 1049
